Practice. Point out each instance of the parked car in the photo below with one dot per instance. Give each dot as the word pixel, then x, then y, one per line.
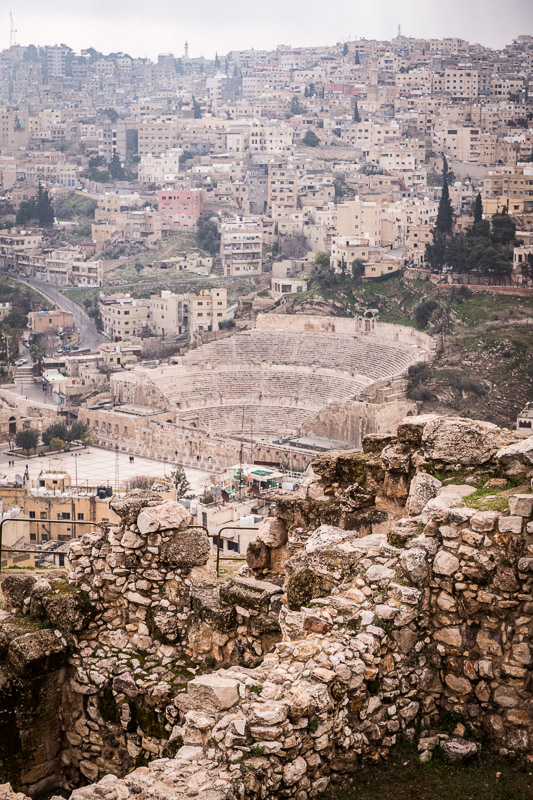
pixel 20 361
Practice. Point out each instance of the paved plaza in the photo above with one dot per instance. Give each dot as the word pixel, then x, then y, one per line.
pixel 95 466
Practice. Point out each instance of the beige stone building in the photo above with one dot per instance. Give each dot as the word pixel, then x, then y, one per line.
pixel 346 250
pixel 168 314
pixel 40 322
pixel 361 219
pixel 241 247
pixel 516 184
pixel 126 317
pixel 206 310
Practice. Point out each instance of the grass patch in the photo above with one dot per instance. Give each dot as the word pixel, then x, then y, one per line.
pixel 404 777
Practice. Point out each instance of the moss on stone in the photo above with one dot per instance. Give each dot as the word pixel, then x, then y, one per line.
pixel 304 586
pixel 149 723
pixel 107 705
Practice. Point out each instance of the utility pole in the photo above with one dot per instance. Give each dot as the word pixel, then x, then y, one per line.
pixel 117 468
pixel 251 441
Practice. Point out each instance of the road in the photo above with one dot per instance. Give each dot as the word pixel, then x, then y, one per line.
pixel 90 337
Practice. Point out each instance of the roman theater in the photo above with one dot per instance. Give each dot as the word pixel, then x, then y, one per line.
pixel 284 389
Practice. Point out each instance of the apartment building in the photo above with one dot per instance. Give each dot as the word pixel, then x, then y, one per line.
pixel 50 321
pixel 241 247
pixel 123 317
pixel 156 138
pixel 345 250
pixel 282 187
pixel 67 267
pixel 206 310
pixel 465 143
pixel 163 168
pixel 181 208
pixel 271 137
pixel 514 184
pixel 360 219
pixel 168 313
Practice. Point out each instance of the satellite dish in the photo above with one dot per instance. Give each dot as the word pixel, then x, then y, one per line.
pixel 18 479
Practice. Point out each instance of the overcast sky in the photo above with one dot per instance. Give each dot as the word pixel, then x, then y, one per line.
pixel 149 27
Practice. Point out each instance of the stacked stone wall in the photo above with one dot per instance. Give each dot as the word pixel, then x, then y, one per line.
pixel 391 595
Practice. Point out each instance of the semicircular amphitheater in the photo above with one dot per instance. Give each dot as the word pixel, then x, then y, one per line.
pixel 290 380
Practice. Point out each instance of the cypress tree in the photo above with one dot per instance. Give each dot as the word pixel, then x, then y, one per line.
pixel 44 208
pixel 444 222
pixel 356 115
pixel 478 209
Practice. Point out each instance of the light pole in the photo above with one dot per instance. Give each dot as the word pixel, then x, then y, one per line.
pixel 76 467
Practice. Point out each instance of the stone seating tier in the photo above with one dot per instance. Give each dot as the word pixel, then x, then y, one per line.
pixel 357 354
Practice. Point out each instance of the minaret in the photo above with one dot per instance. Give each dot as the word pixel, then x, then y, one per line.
pixel 186 53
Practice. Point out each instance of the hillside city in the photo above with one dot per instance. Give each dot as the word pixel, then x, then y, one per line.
pixel 265 299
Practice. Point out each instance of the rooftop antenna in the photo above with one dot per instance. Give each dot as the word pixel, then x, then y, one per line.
pixel 12 31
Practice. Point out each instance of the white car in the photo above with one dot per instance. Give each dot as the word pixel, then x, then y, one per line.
pixel 20 361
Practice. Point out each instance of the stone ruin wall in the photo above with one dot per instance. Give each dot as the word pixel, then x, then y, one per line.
pixel 377 602
pixel 195 447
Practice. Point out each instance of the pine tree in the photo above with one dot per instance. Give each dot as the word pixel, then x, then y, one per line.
pixel 444 222
pixel 357 60
pixel 478 209
pixel 445 168
pixel 356 115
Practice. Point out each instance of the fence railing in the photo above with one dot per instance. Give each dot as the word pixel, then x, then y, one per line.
pixel 42 552
pixel 229 558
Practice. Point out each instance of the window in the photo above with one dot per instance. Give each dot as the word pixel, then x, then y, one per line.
pixel 43 514
pixel 32 514
pixel 33 537
pixel 80 515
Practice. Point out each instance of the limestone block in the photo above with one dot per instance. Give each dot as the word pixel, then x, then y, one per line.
pixel 423 488
pixel 450 636
pixel 16 588
pixel 293 771
pixel 455 440
pixel 211 692
pixel 379 572
pixel 37 652
pixel 165 516
pixel 457 684
pixel 125 684
pixel 510 524
pixel 186 548
pixel 129 507
pixel 459 749
pixel 411 429
pixel 516 460
pixel 7 793
pixel 272 532
pixel 521 505
pixel 396 457
pixel 131 540
pixel 415 564
pixel 445 563
pixel 484 521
